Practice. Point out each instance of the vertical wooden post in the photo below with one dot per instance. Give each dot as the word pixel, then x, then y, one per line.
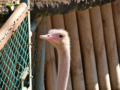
pixel 116 17
pixel 39 75
pixel 76 62
pixel 87 50
pixel 50 62
pixel 58 23
pixel 99 47
pixel 111 47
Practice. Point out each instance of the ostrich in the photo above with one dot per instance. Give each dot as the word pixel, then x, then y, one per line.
pixel 60 40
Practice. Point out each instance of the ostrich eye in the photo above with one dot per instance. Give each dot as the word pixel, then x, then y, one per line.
pixel 61 36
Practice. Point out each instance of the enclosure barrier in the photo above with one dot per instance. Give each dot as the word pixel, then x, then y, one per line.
pixel 12 24
pixel 14 54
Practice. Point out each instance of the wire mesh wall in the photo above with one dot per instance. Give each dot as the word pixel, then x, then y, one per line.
pixel 14 59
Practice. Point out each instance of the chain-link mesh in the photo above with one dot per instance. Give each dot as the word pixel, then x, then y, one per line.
pixel 14 59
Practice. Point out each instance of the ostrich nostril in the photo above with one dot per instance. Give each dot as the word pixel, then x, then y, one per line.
pixel 48 35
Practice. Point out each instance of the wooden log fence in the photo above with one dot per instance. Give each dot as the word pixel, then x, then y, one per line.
pixel 95 48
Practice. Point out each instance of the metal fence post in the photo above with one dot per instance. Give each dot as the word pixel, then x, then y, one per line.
pixel 40 60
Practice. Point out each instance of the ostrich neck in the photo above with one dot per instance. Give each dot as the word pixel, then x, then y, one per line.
pixel 63 68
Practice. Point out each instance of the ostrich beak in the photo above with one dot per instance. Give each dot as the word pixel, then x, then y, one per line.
pixel 46 37
pixel 50 37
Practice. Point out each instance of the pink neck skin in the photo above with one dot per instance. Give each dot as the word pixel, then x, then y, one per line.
pixel 63 68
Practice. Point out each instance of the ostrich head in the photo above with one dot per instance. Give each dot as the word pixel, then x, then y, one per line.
pixel 58 37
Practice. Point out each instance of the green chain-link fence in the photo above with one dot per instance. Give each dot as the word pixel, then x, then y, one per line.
pixel 14 58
